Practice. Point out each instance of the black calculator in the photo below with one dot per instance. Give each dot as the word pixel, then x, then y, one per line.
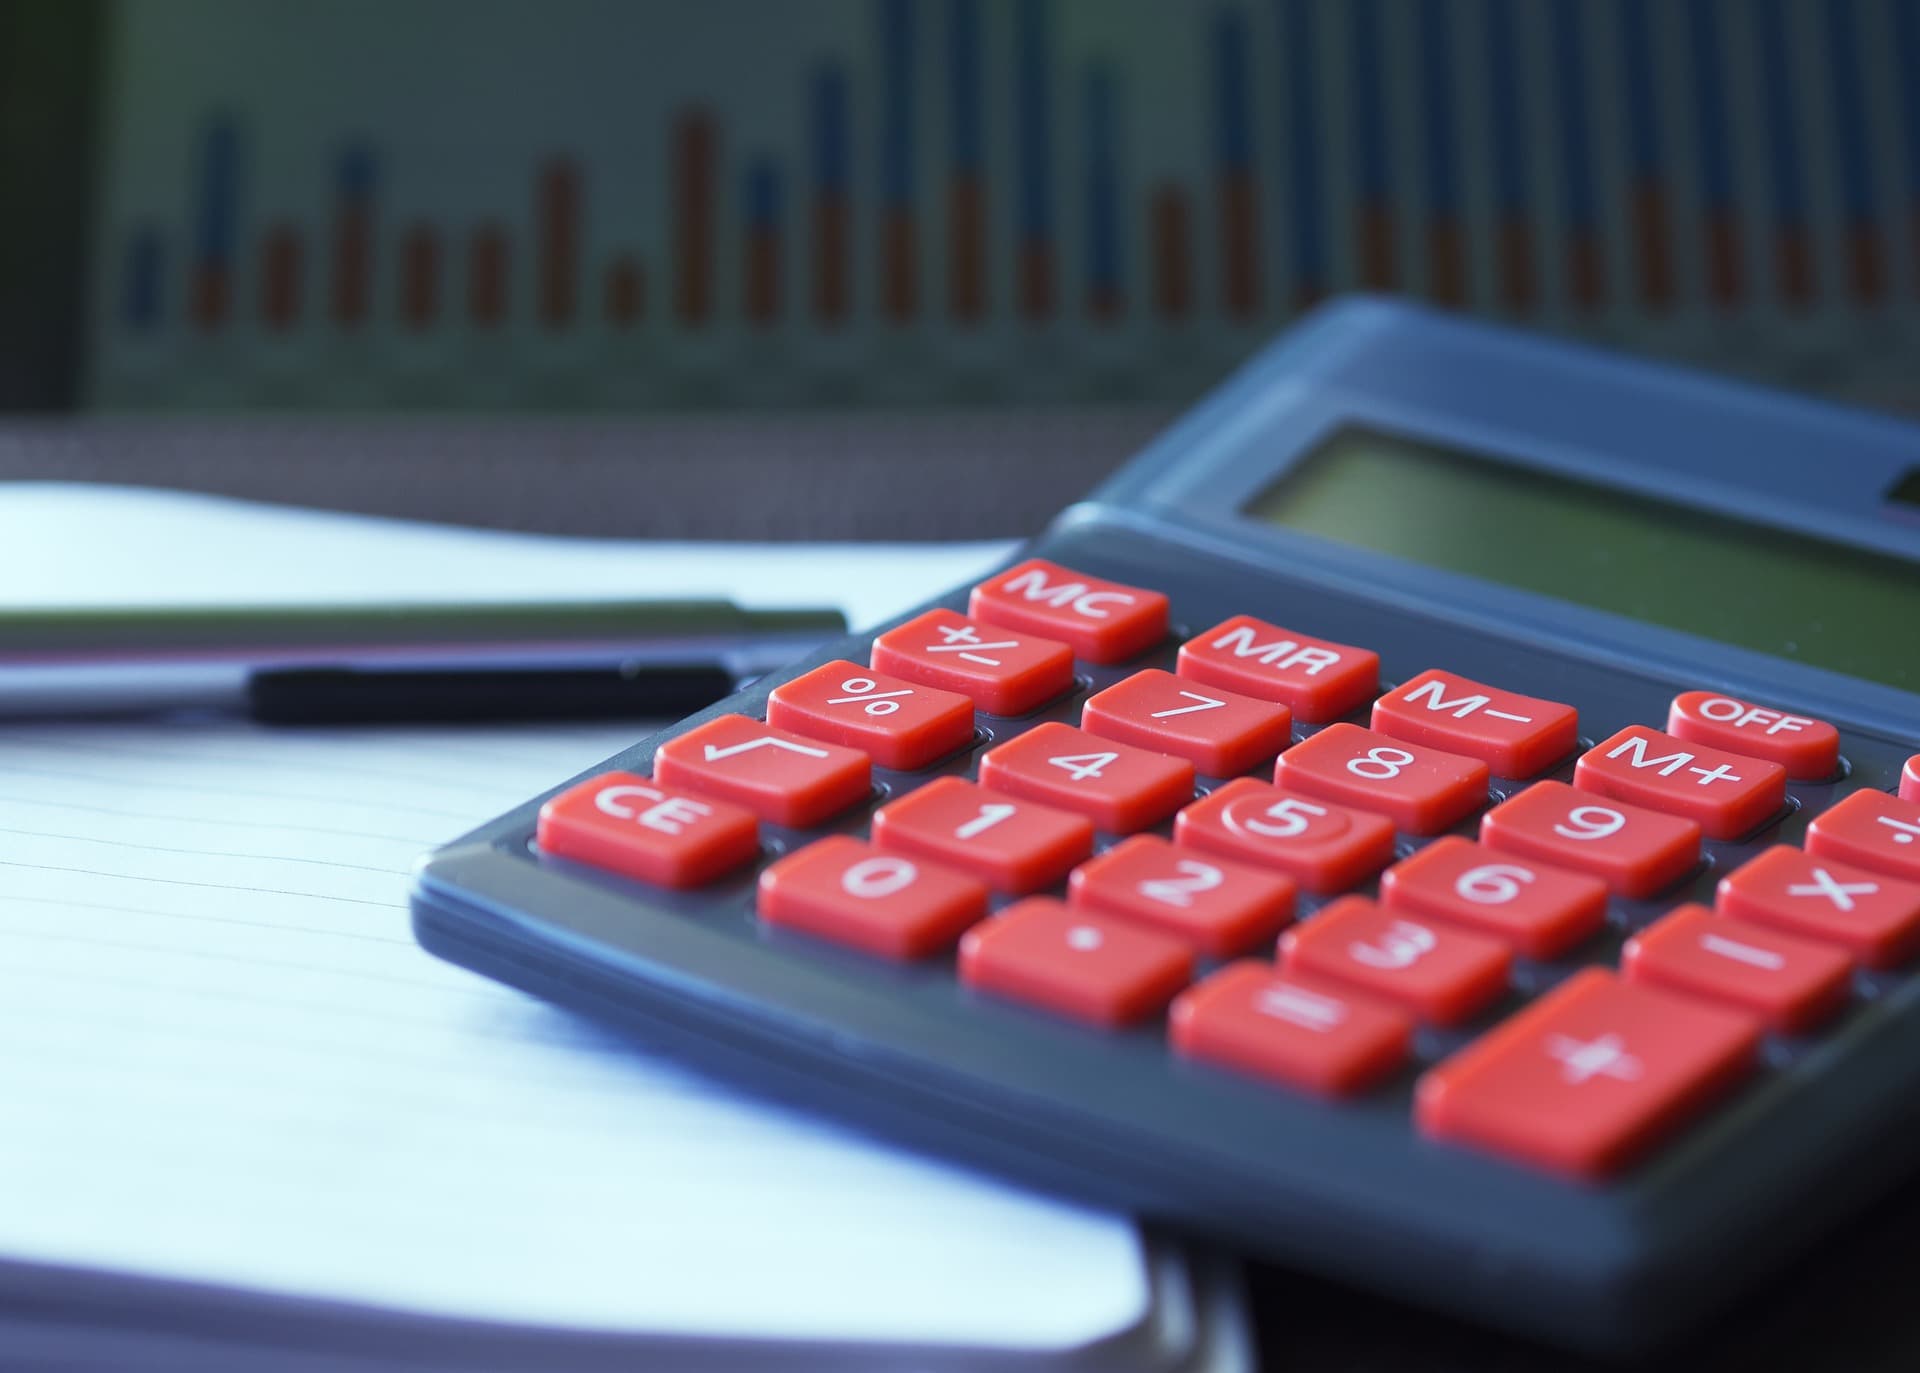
pixel 1446 816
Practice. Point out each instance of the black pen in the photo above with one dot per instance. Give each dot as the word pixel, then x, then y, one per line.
pixel 345 664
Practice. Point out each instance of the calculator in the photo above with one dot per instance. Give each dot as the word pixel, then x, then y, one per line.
pixel 1445 816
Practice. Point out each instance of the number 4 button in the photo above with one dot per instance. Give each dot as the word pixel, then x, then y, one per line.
pixel 1120 788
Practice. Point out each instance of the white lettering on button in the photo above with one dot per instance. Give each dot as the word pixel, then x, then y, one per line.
pixel 1206 703
pixel 1460 707
pixel 1179 891
pixel 1084 938
pixel 1582 1061
pixel 873 878
pixel 1286 818
pixel 1765 959
pixel 1725 710
pixel 1840 893
pixel 964 640
pixel 1904 831
pixel 1670 763
pixel 1297 1006
pixel 715 753
pixel 1401 945
pixel 1279 655
pixel 670 815
pixel 1074 595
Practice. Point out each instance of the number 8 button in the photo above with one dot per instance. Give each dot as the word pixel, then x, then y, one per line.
pixel 1421 789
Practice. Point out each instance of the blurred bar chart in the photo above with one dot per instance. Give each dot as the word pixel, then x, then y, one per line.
pixel 752 202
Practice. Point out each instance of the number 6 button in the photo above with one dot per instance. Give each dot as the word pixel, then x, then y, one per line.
pixel 1539 910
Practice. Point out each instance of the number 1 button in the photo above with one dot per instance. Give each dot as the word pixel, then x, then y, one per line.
pixel 1014 846
pixel 781 777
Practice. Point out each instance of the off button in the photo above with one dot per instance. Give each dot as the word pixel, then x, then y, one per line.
pixel 1807 748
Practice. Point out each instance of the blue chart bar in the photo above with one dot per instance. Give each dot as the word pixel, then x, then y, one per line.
pixel 1721 219
pixel 140 300
pixel 1033 125
pixel 1569 70
pixel 1446 241
pixel 1513 230
pixel 1648 196
pixel 1793 250
pixel 216 221
pixel 1859 200
pixel 966 165
pixel 833 193
pixel 1233 154
pixel 899 263
pixel 763 212
pixel 1103 196
pixel 1303 150
pixel 1375 226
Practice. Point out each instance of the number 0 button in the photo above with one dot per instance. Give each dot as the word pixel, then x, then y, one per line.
pixel 848 891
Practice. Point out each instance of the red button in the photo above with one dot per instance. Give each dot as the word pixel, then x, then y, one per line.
pixel 1086 966
pixel 1218 907
pixel 1421 789
pixel 1635 852
pixel 1250 1017
pixel 1792 983
pixel 1219 731
pixel 1315 678
pixel 1014 846
pixel 1515 735
pixel 1120 788
pixel 780 776
pixel 1442 975
pixel 1910 780
pixel 843 889
pixel 1876 918
pixel 898 723
pixel 1808 749
pixel 629 825
pixel 997 669
pixel 1539 910
pixel 1104 622
pixel 1590 1076
pixel 1725 794
pixel 1872 829
pixel 1322 846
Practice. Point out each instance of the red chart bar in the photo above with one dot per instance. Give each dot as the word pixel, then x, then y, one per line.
pixel 1375 230
pixel 558 200
pixel 691 191
pixel 1793 264
pixel 352 261
pixel 1866 269
pixel 1519 286
pixel 1724 284
pixel 280 277
pixel 210 295
pixel 626 292
pixel 419 276
pixel 487 276
pixel 1653 243
pixel 832 245
pixel 1035 262
pixel 898 265
pixel 1586 274
pixel 967 247
pixel 1239 244
pixel 1170 232
pixel 1446 261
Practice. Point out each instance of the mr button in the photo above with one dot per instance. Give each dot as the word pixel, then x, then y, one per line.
pixel 631 826
pixel 1104 622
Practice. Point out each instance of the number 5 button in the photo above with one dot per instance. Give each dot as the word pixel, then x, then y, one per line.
pixel 1422 789
pixel 1323 847
pixel 1122 789
pixel 898 723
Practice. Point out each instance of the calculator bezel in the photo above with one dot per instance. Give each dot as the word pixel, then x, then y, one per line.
pixel 1678 438
pixel 1353 1190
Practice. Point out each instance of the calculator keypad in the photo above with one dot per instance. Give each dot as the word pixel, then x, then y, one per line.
pixel 1013 845
pixel 1077 963
pixel 777 774
pixel 1637 853
pixel 1001 671
pixel 1122 789
pixel 1514 735
pixel 1421 789
pixel 1316 679
pixel 1172 857
pixel 1103 622
pixel 1220 732
pixel 1725 794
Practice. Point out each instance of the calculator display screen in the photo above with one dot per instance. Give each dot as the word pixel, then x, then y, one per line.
pixel 1822 603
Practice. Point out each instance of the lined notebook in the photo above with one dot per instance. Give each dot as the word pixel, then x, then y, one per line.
pixel 224 1061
